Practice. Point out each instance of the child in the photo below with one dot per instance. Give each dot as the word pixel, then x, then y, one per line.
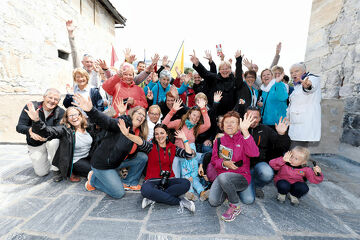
pixel 292 174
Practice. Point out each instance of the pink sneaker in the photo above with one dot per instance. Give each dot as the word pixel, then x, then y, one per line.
pixel 231 213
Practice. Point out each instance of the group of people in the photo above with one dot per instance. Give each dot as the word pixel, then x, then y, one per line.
pixel 214 135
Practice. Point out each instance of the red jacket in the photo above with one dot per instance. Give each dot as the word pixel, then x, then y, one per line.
pixel 188 97
pixel 293 175
pixel 166 158
pixel 119 89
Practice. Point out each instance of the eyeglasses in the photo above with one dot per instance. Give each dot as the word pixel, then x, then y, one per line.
pixel 141 114
pixel 75 115
pixel 154 114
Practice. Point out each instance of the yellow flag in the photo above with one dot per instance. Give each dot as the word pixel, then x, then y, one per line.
pixel 179 62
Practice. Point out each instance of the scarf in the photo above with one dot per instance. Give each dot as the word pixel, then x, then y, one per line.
pixel 189 124
pixel 268 87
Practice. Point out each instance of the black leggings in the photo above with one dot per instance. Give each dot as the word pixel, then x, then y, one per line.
pixel 297 189
pixel 82 167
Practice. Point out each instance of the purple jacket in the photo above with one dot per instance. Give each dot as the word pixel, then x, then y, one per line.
pixel 293 175
pixel 242 149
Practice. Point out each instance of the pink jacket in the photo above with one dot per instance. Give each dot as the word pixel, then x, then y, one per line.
pixel 293 175
pixel 188 133
pixel 243 149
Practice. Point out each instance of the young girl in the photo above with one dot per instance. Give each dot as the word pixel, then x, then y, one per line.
pixel 292 169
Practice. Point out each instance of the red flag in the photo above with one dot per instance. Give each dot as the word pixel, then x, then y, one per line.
pixel 114 57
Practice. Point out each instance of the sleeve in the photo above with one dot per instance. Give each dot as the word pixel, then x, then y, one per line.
pixel 281 142
pixel 181 153
pixel 213 67
pixel 182 89
pixel 206 125
pixel 109 85
pixel 239 81
pixel 41 129
pixel 103 121
pixel 216 161
pixel 97 99
pixel 141 100
pixel 68 100
pixel 277 163
pixel 315 84
pixel 205 74
pixel 281 91
pixel 150 85
pixel 141 77
pixel 250 147
pixel 146 147
pixel 171 124
pixel 24 123
pixel 311 176
pixel 159 70
pixel 76 63
pixel 275 61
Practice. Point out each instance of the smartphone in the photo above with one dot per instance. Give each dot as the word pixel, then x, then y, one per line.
pixel 239 163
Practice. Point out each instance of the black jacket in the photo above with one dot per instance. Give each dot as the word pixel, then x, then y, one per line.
pixel 114 147
pixel 270 143
pixel 215 82
pixel 95 97
pixel 211 132
pixel 25 122
pixel 63 158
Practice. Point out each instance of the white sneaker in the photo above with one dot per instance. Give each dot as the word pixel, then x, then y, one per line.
pixel 187 204
pixel 146 202
pixel 293 200
pixel 281 197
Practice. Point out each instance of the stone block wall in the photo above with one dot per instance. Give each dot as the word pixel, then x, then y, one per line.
pixel 333 52
pixel 31 34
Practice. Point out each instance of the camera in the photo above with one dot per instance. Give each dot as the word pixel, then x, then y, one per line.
pixel 164 179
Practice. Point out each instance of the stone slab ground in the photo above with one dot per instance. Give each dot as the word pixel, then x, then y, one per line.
pixel 37 208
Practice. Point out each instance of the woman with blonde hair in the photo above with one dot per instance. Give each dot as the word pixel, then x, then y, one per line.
pixel 76 142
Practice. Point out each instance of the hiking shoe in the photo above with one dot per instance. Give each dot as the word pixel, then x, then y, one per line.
pixel 146 202
pixel 231 213
pixel 123 173
pixel 57 176
pixel 184 203
pixel 281 197
pixel 259 193
pixel 87 184
pixel 74 178
pixel 132 188
pixel 293 200
pixel 204 195
pixel 190 196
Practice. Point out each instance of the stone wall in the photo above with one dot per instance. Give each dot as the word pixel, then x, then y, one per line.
pixel 31 34
pixel 333 52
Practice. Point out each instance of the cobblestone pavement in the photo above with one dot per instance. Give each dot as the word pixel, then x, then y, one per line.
pixel 37 208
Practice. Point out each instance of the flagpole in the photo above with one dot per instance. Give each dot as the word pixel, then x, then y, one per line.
pixel 176 56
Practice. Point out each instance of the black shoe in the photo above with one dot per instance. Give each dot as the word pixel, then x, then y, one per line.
pixel 57 176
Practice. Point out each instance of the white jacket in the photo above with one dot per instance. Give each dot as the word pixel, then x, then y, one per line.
pixel 151 126
pixel 304 112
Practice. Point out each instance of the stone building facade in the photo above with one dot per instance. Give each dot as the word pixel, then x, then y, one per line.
pixel 333 52
pixel 34 49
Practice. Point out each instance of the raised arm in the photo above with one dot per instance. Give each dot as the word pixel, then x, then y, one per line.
pixel 207 124
pixel 173 124
pixel 205 74
pixel 70 28
pixel 239 81
pixel 277 55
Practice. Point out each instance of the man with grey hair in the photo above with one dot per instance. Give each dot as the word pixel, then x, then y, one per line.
pixel 42 150
pixel 304 110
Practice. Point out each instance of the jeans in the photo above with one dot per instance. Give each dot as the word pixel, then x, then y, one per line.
pixel 109 181
pixel 261 175
pixel 227 185
pixel 176 187
pixel 206 149
pixel 196 185
pixel 297 189
pixel 42 157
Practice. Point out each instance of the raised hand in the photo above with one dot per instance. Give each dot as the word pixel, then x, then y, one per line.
pixel 230 61
pixel 200 102
pixel 102 64
pixel 177 70
pixel 306 83
pixel 174 91
pixel 247 64
pixel 124 130
pixel 217 96
pixel 119 103
pixel 81 102
pixel 70 27
pixel 278 48
pixel 165 61
pixel 238 54
pixel 69 89
pixel 36 136
pixel 127 53
pixel 180 134
pixel 31 112
pixel 194 59
pixel 245 123
pixel 150 94
pixel 177 104
pixel 132 58
pixel 208 55
pixel 287 156
pixel 280 78
pixel 222 56
pixel 187 78
pixel 282 126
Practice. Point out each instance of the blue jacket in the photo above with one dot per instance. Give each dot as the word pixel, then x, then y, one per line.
pixel 275 104
pixel 160 93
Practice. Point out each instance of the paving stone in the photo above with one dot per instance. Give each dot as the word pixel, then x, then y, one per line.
pixel 51 189
pixel 25 207
pixel 351 220
pixel 150 236
pixel 307 217
pixel 128 207
pixel 6 224
pixel 12 193
pixel 27 176
pixel 251 221
pixel 314 238
pixel 61 215
pixel 23 236
pixel 99 229
pixel 166 219
pixel 334 197
pixel 12 169
pixel 79 188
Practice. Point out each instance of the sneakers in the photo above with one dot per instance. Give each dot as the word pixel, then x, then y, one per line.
pixel 204 195
pixel 231 213
pixel 74 178
pixel 293 200
pixel 184 203
pixel 259 193
pixel 146 202
pixel 87 184
pixel 57 176
pixel 191 196
pixel 281 197
pixel 132 188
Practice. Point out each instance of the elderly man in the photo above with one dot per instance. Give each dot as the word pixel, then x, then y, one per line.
pixel 304 109
pixel 42 150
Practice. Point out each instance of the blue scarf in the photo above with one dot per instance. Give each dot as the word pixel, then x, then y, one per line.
pixel 189 124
